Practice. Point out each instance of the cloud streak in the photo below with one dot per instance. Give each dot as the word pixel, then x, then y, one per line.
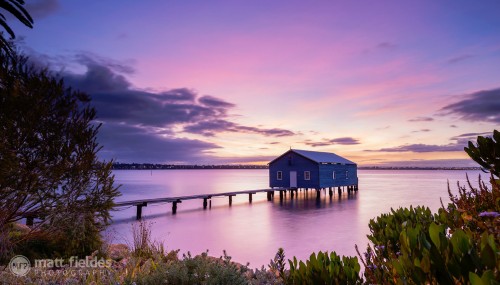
pixel 210 128
pixel 42 8
pixel 478 106
pixel 339 141
pixel 421 119
pixel 422 131
pixel 460 141
pixel 419 148
pixel 459 58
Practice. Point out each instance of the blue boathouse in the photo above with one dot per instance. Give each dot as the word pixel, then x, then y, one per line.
pixel 312 169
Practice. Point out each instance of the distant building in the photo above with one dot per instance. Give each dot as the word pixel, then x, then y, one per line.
pixel 312 169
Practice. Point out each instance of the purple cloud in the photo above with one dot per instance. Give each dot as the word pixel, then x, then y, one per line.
pixel 128 144
pixel 386 45
pixel 143 126
pixel 478 106
pixel 422 131
pixel 210 128
pixel 211 101
pixel 39 9
pixel 421 119
pixel 459 58
pixel 421 148
pixel 460 141
pixel 326 142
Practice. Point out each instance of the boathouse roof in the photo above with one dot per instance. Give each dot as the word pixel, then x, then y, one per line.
pixel 318 156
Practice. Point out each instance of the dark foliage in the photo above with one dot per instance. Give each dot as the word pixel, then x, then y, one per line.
pixel 16 9
pixel 48 156
pixel 486 152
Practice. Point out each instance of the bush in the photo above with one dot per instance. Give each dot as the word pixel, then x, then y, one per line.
pixel 457 246
pixel 201 269
pixel 325 269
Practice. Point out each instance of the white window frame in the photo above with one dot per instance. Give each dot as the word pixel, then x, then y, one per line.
pixel 307 175
pixel 279 175
pixel 333 175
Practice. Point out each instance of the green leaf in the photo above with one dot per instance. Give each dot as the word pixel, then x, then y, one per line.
pixel 475 279
pixel 488 277
pixel 434 231
pixel 460 242
pixel 488 256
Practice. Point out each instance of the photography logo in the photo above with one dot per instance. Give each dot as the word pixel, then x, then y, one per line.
pixel 19 265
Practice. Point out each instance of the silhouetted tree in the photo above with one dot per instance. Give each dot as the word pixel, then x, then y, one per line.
pixel 49 168
pixel 15 8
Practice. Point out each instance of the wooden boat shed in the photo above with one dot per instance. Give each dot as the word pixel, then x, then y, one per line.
pixel 312 169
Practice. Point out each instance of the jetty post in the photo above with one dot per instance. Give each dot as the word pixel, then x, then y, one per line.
pixel 205 202
pixel 231 199
pixel 174 206
pixel 139 210
pixel 270 195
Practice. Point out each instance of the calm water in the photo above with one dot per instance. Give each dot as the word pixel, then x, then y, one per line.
pixel 253 232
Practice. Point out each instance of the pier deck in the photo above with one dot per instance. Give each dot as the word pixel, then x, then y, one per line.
pixel 176 200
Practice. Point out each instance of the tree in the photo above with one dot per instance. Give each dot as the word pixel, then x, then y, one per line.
pixel 486 152
pixel 49 168
pixel 14 7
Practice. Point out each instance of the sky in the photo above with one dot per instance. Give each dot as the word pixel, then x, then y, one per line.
pixel 390 83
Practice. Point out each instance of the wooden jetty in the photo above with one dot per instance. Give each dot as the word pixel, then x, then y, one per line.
pixel 139 204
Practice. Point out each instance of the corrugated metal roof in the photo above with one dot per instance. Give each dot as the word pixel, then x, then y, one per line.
pixel 320 157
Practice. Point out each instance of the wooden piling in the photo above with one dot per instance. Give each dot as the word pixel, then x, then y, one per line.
pixel 139 210
pixel 318 194
pixel 250 197
pixel 205 204
pixel 174 206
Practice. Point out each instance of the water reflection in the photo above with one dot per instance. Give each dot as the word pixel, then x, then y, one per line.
pixel 253 232
pixel 307 200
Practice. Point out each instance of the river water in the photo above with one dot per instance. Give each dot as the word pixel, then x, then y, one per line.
pixel 253 232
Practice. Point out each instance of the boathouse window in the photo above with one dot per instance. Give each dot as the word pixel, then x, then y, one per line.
pixel 346 174
pixel 279 175
pixel 333 175
pixel 307 175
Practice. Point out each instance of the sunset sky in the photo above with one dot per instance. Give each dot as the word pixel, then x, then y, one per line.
pixel 242 81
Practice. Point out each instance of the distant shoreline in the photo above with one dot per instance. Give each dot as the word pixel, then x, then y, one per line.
pixel 147 166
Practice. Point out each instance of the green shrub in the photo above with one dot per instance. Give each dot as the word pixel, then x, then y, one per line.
pixel 325 268
pixel 457 246
pixel 278 264
pixel 201 269
pixel 386 228
pixel 486 152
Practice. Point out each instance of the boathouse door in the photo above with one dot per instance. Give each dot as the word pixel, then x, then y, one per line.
pixel 293 179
